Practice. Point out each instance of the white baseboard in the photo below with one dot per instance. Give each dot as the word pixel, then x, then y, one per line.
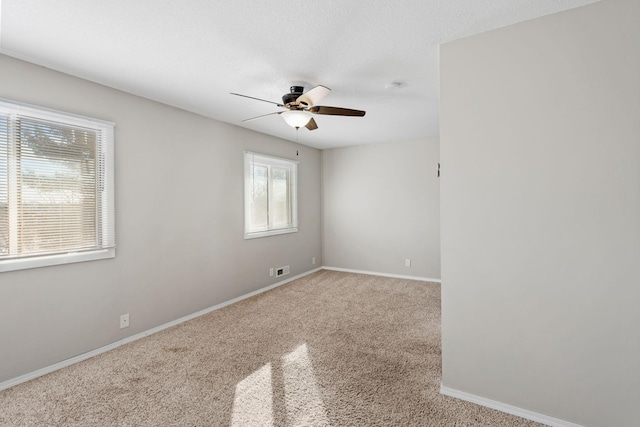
pixel 374 273
pixel 509 409
pixel 68 362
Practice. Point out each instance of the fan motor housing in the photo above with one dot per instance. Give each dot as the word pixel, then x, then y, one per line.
pixel 296 91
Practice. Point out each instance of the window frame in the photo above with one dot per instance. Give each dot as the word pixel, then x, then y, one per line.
pixel 272 161
pixel 105 172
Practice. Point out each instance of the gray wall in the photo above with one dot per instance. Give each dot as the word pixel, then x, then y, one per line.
pixel 381 206
pixel 540 146
pixel 179 225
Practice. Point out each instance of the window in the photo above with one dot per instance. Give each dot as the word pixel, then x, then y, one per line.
pixel 56 188
pixel 270 195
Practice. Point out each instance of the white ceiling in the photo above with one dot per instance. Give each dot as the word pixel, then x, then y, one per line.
pixel 192 53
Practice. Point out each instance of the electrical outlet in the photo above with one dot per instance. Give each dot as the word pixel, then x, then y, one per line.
pixel 124 321
pixel 313 260
pixel 407 262
pixel 271 272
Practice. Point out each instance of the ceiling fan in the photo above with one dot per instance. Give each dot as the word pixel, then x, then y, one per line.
pixel 299 107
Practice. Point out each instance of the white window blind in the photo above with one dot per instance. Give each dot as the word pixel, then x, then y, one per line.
pixel 56 187
pixel 270 195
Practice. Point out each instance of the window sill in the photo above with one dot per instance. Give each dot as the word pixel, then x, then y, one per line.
pixel 258 234
pixel 48 260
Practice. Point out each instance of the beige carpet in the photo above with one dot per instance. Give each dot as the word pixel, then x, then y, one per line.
pixel 330 349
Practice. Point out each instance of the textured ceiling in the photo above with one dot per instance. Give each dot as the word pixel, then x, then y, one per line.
pixel 193 53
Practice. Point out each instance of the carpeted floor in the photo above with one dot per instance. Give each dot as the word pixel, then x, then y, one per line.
pixel 329 349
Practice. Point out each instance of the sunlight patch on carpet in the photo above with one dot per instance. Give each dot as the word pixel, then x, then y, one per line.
pixel 252 404
pixel 302 396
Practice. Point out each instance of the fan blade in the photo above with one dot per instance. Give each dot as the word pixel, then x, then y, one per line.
pixel 336 111
pixel 312 125
pixel 258 99
pixel 313 95
pixel 264 115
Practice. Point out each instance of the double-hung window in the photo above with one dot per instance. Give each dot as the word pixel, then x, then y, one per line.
pixel 270 194
pixel 56 187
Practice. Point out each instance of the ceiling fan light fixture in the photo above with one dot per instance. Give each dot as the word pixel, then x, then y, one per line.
pixel 296 118
pixel 300 107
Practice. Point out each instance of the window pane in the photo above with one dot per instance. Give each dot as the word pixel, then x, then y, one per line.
pixel 281 209
pixel 270 196
pixel 56 187
pixel 259 203
pixel 57 184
